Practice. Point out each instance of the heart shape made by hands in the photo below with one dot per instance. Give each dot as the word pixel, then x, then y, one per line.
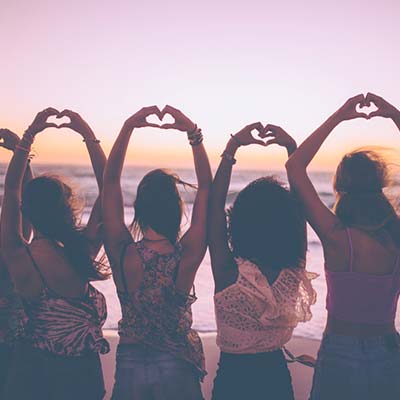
pixel 260 134
pixel 163 118
pixel 56 119
pixel 366 109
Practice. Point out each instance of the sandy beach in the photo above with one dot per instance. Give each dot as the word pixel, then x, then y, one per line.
pixel 301 375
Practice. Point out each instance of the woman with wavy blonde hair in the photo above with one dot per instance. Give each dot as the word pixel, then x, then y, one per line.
pixel 359 357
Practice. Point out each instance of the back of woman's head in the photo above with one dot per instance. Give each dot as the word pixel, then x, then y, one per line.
pixel 359 181
pixel 158 205
pixel 52 208
pixel 267 226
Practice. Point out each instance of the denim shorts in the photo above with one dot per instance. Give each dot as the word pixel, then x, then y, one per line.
pixel 253 377
pixel 351 368
pixel 37 374
pixel 144 373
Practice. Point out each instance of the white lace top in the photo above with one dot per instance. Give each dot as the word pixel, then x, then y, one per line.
pixel 254 317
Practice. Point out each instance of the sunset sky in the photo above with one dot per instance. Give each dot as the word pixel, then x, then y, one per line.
pixel 224 63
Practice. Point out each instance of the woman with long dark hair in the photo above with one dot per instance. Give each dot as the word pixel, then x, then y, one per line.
pixel 11 312
pixel 359 357
pixel 159 355
pixel 58 356
pixel 262 289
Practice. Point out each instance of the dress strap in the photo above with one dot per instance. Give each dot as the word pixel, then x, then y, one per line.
pixel 36 267
pixel 121 265
pixel 351 248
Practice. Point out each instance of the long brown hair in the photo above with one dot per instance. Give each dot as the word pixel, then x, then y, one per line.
pixel 266 225
pixel 360 179
pixel 52 208
pixel 158 205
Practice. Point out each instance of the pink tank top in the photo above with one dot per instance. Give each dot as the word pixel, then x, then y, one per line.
pixel 362 298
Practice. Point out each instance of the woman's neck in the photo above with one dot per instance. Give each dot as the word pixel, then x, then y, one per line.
pixel 151 236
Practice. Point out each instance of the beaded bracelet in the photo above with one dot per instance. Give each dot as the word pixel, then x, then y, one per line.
pixel 229 157
pixel 195 136
pixel 193 130
pixel 196 141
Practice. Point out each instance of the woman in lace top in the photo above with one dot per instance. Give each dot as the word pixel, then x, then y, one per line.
pixel 159 355
pixel 58 356
pixel 262 289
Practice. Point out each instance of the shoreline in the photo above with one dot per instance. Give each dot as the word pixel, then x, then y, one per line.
pixel 301 375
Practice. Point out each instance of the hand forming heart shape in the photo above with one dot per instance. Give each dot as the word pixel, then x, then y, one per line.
pixel 176 119
pixel 367 109
pixel 160 119
pixel 60 121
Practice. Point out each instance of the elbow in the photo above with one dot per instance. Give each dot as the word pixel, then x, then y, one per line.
pixel 289 165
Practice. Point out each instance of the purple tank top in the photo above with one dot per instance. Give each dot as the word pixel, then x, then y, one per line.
pixel 66 326
pixel 362 298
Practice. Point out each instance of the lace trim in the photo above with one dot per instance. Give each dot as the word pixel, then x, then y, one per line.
pixel 254 316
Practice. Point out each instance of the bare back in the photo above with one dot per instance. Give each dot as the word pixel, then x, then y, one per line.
pixel 370 255
pixel 51 266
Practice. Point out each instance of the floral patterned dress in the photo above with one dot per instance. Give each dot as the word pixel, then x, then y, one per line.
pixel 156 314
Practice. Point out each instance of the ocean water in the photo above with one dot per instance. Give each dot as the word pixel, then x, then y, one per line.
pixel 83 180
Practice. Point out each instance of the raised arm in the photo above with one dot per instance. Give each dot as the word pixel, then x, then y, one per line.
pixel 385 109
pixel 98 160
pixel 116 232
pixel 320 217
pixel 194 241
pixel 11 234
pixel 9 141
pixel 221 258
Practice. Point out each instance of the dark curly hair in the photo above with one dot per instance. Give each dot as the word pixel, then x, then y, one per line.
pixel 52 208
pixel 158 205
pixel 266 225
pixel 359 181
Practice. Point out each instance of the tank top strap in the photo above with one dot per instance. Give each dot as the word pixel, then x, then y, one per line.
pixel 36 267
pixel 121 265
pixel 351 249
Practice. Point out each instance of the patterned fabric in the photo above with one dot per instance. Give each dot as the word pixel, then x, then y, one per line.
pixel 253 316
pixel 156 314
pixel 67 326
pixel 12 317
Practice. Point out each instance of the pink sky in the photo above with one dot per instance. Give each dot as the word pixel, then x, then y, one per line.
pixel 224 63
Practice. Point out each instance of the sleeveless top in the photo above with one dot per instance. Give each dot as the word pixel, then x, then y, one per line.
pixel 253 316
pixel 156 314
pixel 362 298
pixel 66 326
pixel 12 318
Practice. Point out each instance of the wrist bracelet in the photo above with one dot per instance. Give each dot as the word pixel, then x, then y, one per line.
pixel 196 141
pixel 193 130
pixel 195 137
pixel 229 157
pixel 28 137
pixel 24 149
pixel 91 140
pixel 194 134
pixel 236 139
